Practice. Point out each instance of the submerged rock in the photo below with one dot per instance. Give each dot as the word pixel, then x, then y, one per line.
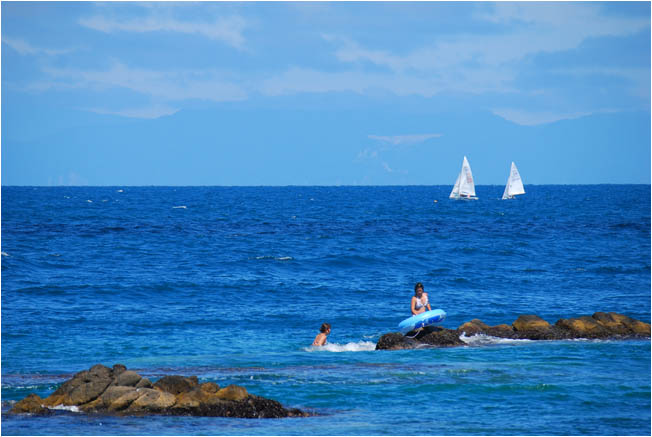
pixel 123 392
pixel 599 326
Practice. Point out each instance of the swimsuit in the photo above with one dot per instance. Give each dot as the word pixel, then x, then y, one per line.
pixel 420 305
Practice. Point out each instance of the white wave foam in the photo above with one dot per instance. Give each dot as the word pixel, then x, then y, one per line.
pixel 484 340
pixel 360 346
pixel 4 254
pixel 72 408
pixel 277 258
pixel 180 207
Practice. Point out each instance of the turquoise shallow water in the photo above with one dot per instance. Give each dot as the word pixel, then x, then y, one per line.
pixel 231 285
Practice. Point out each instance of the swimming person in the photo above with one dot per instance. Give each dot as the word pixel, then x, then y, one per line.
pixel 419 300
pixel 320 340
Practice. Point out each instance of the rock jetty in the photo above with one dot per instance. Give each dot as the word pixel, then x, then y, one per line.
pixel 598 326
pixel 118 391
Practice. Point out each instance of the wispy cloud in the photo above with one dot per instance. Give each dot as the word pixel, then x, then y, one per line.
pixel 532 118
pixel 404 139
pixel 25 48
pixel 228 30
pixel 167 85
pixel 147 112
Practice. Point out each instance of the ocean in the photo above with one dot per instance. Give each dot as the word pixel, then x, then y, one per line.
pixel 231 284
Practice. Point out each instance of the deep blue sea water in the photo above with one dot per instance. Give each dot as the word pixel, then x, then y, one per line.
pixel 232 283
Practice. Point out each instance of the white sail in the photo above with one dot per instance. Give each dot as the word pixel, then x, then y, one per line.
pixel 464 186
pixel 514 185
pixel 456 188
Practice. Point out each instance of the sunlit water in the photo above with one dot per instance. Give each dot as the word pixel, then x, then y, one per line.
pixel 232 284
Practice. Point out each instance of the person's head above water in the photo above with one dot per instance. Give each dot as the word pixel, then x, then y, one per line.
pixel 325 327
pixel 417 287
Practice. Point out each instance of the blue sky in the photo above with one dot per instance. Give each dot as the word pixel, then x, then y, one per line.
pixel 324 93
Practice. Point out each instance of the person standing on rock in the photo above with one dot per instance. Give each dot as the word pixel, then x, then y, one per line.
pixel 419 302
pixel 324 330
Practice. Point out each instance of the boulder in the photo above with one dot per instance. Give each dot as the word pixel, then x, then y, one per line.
pixel 144 383
pixel 232 393
pixel 176 384
pixel 440 337
pixel 84 387
pixel 396 341
pixel 32 404
pixel 623 325
pixel 119 391
pixel 584 327
pixel 112 393
pixel 123 401
pixel 151 401
pixel 127 378
pixel 474 327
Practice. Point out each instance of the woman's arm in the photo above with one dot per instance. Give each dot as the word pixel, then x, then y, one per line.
pixel 427 302
pixel 413 303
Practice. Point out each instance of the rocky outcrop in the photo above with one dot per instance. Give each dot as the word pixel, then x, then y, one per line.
pixel 120 391
pixel 598 326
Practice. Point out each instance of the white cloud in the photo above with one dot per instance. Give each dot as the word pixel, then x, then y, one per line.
pixel 526 117
pixel 149 112
pixel 404 139
pixel 25 48
pixel 228 30
pixel 167 85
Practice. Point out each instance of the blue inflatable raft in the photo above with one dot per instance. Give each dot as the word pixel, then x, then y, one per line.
pixel 422 320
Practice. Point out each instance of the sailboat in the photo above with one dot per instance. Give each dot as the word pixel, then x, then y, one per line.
pixel 514 185
pixel 464 187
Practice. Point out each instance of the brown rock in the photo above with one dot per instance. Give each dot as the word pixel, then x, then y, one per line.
pixel 176 384
pixel 583 327
pixel 95 405
pixel 395 341
pixel 475 326
pixel 114 392
pixel 209 387
pixel 124 401
pixel 441 337
pixel 530 323
pixel 118 369
pixel 144 383
pixel 128 378
pixel 232 393
pixel 637 327
pixel 84 387
pixel 151 401
pixel 32 404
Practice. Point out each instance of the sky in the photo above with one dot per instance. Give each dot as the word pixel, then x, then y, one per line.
pixel 318 93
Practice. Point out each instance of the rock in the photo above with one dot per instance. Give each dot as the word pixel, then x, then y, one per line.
pixel 151 401
pixel 113 393
pixel 128 378
pixel 123 401
pixel 176 384
pixel 144 383
pixel 584 327
pixel 396 341
pixel 209 387
pixel 232 393
pixel 440 337
pixel 32 404
pixel 119 391
pixel 84 387
pixel 475 326
pixel 118 369
pixel 530 323
pixel 623 325
pixel 532 327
